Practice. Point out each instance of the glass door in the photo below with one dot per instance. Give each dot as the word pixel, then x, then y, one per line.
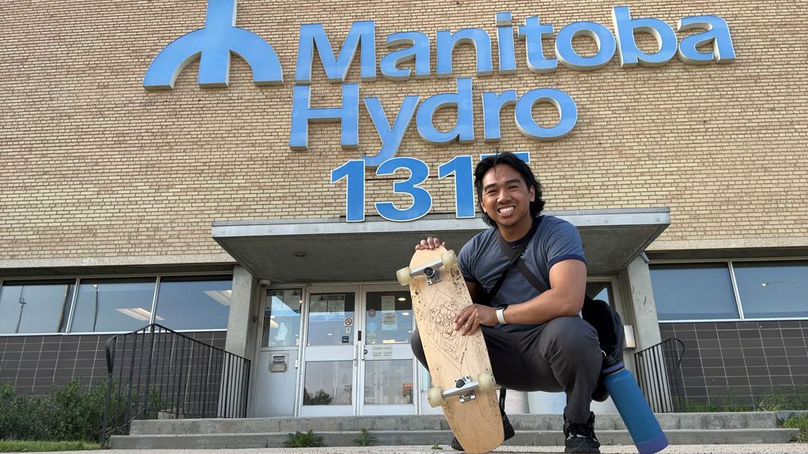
pixel 331 352
pixel 387 367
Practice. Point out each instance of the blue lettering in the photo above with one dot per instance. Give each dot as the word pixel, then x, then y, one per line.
pixel 391 136
pixel 354 174
pixel 464 128
pixel 717 31
pixel 630 54
pixel 302 114
pixel 421 199
pixel 461 168
pixel 567 110
pixel 523 155
pixel 447 41
pixel 418 51
pixel 566 52
pixel 336 69
pixel 533 32
pixel 507 54
pixel 492 107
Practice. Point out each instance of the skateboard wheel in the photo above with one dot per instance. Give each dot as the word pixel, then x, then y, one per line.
pixel 448 258
pixel 435 397
pixel 487 383
pixel 403 276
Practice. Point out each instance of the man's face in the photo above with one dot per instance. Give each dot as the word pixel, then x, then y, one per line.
pixel 505 196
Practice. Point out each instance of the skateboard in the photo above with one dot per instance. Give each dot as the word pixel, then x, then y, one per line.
pixel 462 379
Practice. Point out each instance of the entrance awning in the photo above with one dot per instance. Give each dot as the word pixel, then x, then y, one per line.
pixel 335 251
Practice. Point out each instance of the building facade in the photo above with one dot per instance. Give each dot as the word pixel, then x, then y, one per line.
pixel 254 174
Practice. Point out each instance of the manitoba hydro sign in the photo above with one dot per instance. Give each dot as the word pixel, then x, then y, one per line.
pixel 406 55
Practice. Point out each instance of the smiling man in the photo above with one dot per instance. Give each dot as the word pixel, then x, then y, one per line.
pixel 528 309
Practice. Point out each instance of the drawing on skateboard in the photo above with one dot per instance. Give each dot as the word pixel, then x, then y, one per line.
pixel 462 379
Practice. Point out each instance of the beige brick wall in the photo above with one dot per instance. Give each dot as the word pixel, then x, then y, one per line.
pixel 92 165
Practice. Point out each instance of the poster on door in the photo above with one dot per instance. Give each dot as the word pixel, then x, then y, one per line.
pixel 389 316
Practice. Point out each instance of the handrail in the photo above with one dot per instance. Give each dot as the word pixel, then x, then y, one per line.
pixel 660 376
pixel 156 372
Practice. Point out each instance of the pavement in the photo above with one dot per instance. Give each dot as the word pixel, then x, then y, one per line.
pixel 787 448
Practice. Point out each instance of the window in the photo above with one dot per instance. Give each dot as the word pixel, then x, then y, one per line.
pixel 693 292
pixel 113 305
pixel 389 318
pixel 282 319
pixel 600 291
pixel 34 307
pixel 704 291
pixel 186 303
pixel 772 290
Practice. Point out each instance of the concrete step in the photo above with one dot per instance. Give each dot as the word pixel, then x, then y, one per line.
pixel 442 437
pixel 668 421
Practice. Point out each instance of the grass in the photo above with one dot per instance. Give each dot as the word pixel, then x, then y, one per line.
pixel 799 422
pixel 40 446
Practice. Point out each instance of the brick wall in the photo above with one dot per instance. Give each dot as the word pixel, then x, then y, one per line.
pixel 92 165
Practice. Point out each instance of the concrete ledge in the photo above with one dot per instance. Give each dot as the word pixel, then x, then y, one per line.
pixel 421 437
pixel 668 421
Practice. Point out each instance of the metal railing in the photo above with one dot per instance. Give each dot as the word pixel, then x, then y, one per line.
pixel 155 372
pixel 660 375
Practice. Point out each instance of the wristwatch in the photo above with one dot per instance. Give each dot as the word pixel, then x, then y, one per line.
pixel 501 316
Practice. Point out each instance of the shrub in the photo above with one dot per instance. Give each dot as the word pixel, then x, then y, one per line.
pixel 304 440
pixel 68 413
pixel 799 422
pixel 365 439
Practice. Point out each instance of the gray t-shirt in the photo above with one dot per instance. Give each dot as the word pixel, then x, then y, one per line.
pixel 482 261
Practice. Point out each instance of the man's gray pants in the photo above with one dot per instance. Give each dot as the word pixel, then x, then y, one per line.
pixel 560 355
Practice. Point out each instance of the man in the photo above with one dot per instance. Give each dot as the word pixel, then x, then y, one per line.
pixel 536 340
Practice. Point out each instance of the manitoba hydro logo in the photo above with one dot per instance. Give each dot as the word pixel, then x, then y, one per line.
pixel 214 44
pixel 697 40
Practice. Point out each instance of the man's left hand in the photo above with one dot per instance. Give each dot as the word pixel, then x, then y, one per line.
pixel 469 320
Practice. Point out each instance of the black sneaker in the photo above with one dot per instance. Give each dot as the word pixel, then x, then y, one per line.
pixel 506 427
pixel 581 437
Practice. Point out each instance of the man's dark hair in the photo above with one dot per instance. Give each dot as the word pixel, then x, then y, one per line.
pixel 508 159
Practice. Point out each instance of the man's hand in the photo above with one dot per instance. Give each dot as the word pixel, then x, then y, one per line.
pixel 469 320
pixel 429 243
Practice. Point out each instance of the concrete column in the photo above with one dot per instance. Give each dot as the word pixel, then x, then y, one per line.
pixel 242 326
pixel 652 375
pixel 641 305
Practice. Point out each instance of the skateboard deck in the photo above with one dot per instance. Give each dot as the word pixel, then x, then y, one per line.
pixel 473 414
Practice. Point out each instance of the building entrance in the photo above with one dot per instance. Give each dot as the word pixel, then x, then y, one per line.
pixel 336 350
pixel 357 358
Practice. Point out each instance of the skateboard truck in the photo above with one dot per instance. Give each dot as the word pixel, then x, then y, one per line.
pixel 431 270
pixel 464 388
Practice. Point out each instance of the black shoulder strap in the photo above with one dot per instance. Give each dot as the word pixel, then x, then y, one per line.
pixel 514 255
pixel 520 264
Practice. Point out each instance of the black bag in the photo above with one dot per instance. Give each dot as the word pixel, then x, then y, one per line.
pixel 598 313
pixel 609 326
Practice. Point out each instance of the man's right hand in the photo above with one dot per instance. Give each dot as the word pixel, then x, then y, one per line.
pixel 429 243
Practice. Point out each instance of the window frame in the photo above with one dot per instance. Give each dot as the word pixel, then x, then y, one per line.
pixel 77 282
pixel 34 282
pixel 738 301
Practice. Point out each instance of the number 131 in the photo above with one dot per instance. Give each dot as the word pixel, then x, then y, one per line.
pixel 353 172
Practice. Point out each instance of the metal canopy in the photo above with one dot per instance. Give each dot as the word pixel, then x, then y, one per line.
pixel 335 251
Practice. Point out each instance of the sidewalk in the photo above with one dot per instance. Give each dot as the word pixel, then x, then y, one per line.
pixel 790 448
